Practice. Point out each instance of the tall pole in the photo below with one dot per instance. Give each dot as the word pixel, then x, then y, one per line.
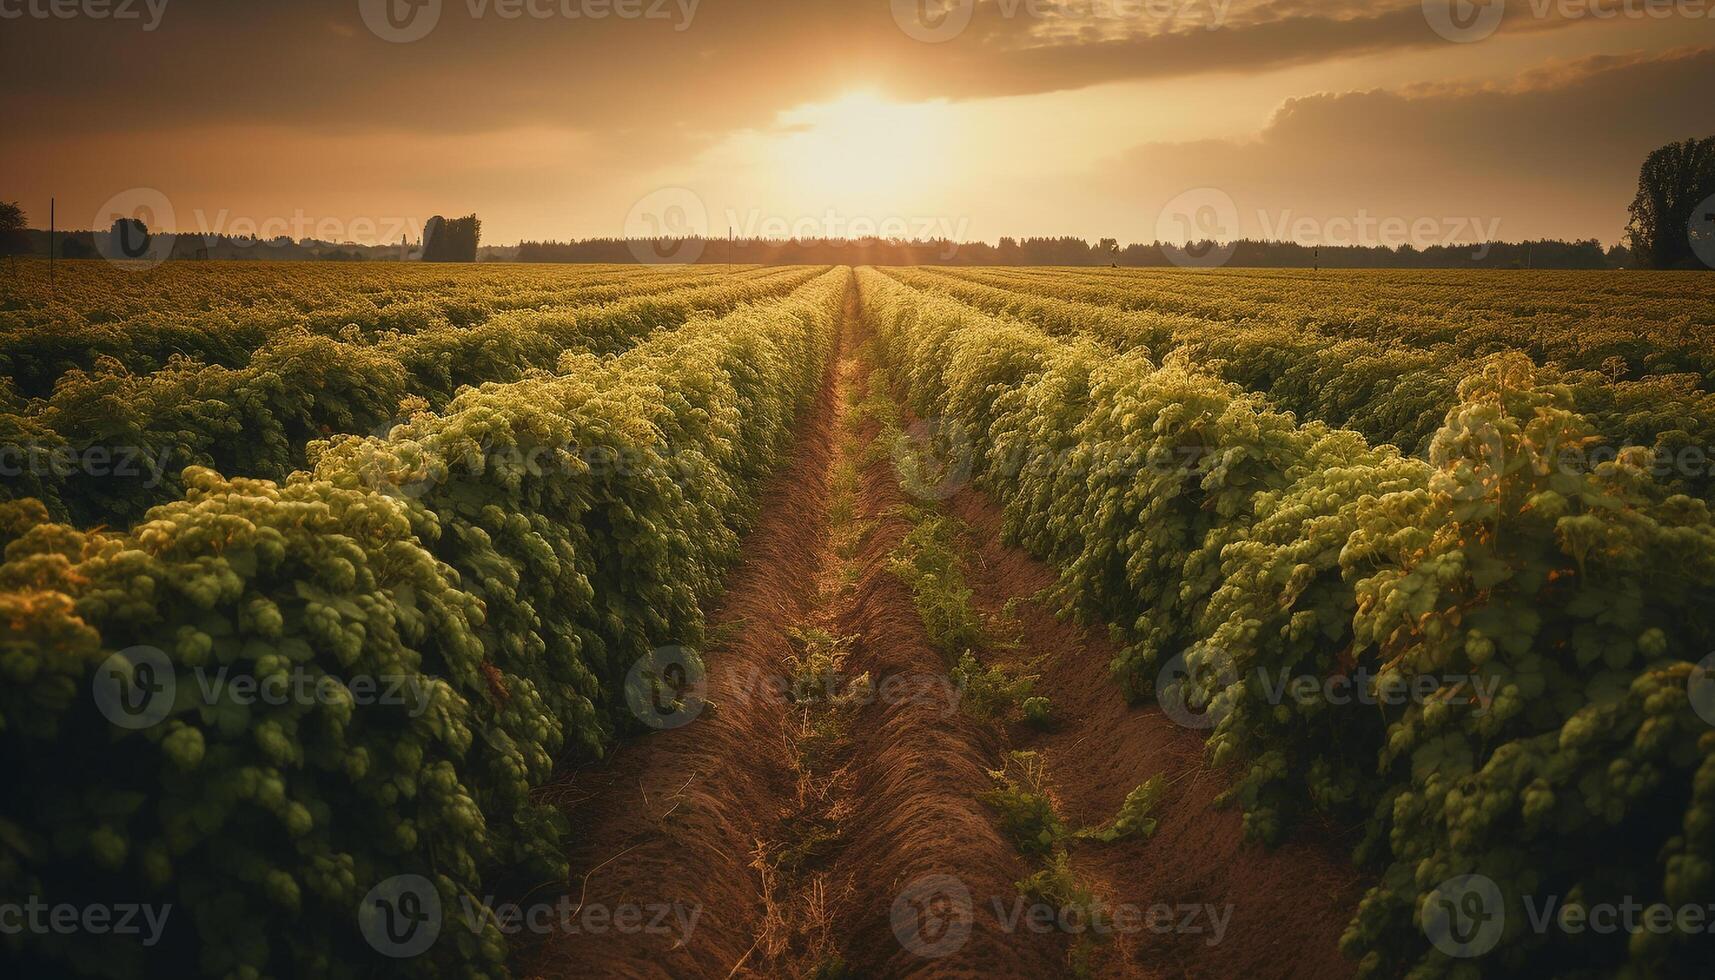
pixel 51 204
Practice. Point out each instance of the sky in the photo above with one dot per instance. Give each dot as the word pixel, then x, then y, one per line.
pixel 1416 122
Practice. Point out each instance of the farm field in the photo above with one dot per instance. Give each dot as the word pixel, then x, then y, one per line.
pixel 857 622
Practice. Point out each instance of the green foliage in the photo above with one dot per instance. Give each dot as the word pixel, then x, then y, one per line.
pixel 513 599
pixel 130 405
pixel 994 691
pixel 1555 611
pixel 1021 800
pixel 1383 353
pixel 1038 712
pixel 1133 818
pixel 927 561
pixel 1056 885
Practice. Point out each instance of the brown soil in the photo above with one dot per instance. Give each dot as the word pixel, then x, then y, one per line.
pixel 1288 904
pixel 797 853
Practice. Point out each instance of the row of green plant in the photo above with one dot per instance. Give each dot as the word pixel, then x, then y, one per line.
pixel 930 560
pixel 109 444
pixel 505 606
pixel 1486 662
pixel 221 313
pixel 1392 375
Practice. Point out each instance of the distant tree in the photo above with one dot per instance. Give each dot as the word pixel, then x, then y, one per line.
pixel 13 240
pixel 1675 181
pixel 451 240
pixel 75 248
pixel 128 238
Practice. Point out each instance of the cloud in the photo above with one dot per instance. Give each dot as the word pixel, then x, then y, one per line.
pixel 1554 152
pixel 696 67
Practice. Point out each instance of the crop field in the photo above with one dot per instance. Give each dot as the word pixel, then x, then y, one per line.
pixel 818 621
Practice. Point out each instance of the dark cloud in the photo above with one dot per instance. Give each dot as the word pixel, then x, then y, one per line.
pixel 1555 152
pixel 700 66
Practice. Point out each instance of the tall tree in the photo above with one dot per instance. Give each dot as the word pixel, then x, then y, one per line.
pixel 13 240
pixel 128 238
pixel 451 239
pixel 1675 188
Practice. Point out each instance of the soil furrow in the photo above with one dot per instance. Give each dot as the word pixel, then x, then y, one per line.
pixel 822 816
pixel 1288 905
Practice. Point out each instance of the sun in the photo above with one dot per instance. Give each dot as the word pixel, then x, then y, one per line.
pixel 860 147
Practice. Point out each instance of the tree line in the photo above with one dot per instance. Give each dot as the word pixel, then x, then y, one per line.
pixel 1070 251
pixel 1671 226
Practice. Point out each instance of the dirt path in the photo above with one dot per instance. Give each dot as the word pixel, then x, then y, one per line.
pixel 820 817
pixel 1284 908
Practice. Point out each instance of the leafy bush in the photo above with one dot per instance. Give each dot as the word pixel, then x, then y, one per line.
pixel 512 598
pixel 1227 539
